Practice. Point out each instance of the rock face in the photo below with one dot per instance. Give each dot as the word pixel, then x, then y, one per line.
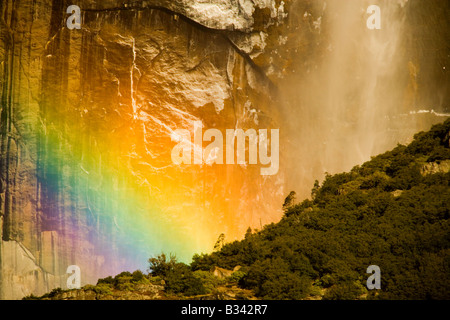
pixel 221 273
pixel 88 115
pixel 436 167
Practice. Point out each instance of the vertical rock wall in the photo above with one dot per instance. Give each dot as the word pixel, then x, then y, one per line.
pixel 87 118
pixel 86 173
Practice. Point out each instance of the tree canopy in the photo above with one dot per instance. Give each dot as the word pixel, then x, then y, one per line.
pixel 387 212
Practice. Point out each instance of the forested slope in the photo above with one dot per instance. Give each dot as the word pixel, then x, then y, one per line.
pixel 392 211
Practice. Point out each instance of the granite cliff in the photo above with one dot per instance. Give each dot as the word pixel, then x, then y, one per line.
pixel 87 116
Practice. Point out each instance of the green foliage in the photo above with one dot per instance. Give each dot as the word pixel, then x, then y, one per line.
pixel 220 242
pixel 31 297
pixel 155 280
pixel 439 154
pixel 203 262
pixel 108 280
pixel 325 244
pixel 89 287
pixel 237 276
pixel 103 289
pixel 123 282
pixel 345 291
pixel 354 220
pixel 181 280
pixel 298 208
pixel 273 279
pixel 178 277
pixel 425 143
pixel 289 201
pixel 52 294
pixel 161 265
pixel 138 277
pixel 209 281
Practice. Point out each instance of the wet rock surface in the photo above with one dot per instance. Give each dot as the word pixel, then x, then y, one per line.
pixel 87 116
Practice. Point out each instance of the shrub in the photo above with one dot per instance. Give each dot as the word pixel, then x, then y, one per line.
pixel 161 265
pixel 209 281
pixel 181 280
pixel 138 276
pixel 236 276
pixel 103 288
pixel 345 291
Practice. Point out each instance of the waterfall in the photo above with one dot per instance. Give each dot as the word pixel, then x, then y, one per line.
pixel 344 104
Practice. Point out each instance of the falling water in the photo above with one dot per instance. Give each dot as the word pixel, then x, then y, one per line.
pixel 86 176
pixel 346 100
